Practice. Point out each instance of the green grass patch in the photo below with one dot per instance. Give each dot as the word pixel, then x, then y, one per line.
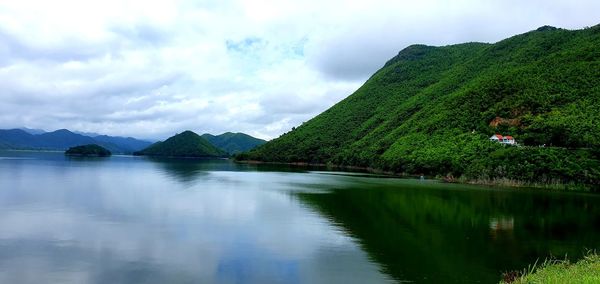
pixel 586 270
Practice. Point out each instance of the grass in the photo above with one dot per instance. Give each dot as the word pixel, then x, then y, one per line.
pixel 507 182
pixel 586 270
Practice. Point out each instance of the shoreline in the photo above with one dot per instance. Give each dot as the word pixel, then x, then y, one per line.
pixel 495 182
pixel 33 150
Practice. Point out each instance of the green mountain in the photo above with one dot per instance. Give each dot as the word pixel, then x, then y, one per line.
pixel 88 150
pixel 185 144
pixel 234 143
pixel 431 110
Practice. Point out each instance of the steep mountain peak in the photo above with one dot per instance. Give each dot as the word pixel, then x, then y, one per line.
pixel 32 130
pixel 186 133
pixel 411 52
pixel 62 131
pixel 546 28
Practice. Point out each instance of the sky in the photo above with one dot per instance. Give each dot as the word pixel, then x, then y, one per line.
pixel 150 69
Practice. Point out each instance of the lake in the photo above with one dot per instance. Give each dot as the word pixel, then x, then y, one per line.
pixel 139 220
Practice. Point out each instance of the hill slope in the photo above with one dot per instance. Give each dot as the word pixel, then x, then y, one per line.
pixel 185 144
pixel 234 143
pixel 430 110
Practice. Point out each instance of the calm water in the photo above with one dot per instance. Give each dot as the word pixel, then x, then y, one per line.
pixel 138 220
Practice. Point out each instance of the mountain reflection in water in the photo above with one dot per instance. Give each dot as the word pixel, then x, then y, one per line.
pixel 439 233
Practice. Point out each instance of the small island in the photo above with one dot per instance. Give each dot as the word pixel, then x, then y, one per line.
pixel 90 150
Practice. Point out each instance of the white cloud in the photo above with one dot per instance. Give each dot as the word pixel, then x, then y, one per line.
pixel 153 68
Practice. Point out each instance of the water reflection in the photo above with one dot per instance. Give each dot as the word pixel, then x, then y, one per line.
pixel 187 170
pixel 129 220
pixel 132 220
pixel 432 234
pixel 86 158
pixel 502 227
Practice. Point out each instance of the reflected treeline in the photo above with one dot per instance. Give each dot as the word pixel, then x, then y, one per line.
pixel 431 234
pixel 187 170
pixel 86 158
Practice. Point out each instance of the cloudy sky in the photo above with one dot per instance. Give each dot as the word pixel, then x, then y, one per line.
pixel 150 69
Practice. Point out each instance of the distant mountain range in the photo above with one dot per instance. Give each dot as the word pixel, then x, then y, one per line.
pixel 234 143
pixel 60 140
pixel 33 131
pixel 34 139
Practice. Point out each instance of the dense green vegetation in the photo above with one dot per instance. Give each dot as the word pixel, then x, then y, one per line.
pixel 430 110
pixel 185 144
pixel 90 150
pixel 233 143
pixel 584 271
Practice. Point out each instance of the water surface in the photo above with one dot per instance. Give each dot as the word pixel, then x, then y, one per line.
pixel 138 220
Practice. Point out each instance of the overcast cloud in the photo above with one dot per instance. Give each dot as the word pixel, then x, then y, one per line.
pixel 150 69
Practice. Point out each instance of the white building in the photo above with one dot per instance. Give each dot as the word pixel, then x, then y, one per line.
pixel 503 139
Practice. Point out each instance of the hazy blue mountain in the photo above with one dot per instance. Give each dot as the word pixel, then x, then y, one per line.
pixel 63 139
pixel 90 134
pixel 32 130
pixel 125 144
pixel 17 138
pixel 233 143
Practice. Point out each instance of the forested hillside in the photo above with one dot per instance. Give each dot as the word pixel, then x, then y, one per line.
pixel 430 110
pixel 233 143
pixel 186 144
